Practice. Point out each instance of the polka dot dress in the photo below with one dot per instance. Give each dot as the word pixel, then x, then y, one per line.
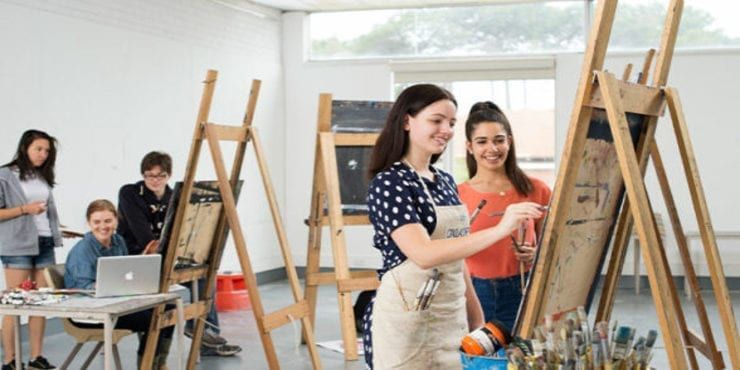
pixel 395 198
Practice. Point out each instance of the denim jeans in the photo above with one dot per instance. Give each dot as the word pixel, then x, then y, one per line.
pixel 500 298
pixel 212 317
pixel 45 258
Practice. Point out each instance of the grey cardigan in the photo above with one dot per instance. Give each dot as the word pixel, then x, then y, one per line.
pixel 19 236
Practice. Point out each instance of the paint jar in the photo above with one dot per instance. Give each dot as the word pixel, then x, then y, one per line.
pixel 486 340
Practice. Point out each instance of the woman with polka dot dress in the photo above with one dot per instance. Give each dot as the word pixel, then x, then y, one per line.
pixel 421 229
pixel 496 178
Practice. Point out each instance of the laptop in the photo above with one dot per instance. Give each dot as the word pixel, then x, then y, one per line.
pixel 128 275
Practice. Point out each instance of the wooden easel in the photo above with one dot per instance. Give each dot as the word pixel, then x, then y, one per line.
pixel 325 192
pixel 229 220
pixel 598 89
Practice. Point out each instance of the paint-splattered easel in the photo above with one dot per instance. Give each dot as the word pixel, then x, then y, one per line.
pixel 628 106
pixel 229 220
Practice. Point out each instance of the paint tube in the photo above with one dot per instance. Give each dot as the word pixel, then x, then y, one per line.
pixel 621 343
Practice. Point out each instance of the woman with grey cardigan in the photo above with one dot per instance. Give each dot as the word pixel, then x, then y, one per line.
pixel 29 231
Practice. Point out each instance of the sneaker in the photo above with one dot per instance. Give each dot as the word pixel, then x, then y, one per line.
pixel 11 366
pixel 210 339
pixel 40 363
pixel 223 350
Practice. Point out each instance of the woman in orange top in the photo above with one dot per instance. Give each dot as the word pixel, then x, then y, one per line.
pixel 496 178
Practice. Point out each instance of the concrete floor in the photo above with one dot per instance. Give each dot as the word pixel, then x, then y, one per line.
pixel 240 328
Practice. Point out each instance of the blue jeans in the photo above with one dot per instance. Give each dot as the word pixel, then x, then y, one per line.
pixel 44 259
pixel 212 317
pixel 500 298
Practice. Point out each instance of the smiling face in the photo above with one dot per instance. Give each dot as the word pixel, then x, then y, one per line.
pixel 489 144
pixel 102 225
pixel 432 128
pixel 38 152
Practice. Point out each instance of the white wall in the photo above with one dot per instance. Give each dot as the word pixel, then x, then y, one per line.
pixel 113 80
pixel 705 80
pixel 304 82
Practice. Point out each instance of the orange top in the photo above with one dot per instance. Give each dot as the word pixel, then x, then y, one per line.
pixel 498 260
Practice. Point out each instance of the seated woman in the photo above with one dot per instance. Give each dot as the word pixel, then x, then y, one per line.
pixel 81 272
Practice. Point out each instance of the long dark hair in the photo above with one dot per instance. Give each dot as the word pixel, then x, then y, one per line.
pixel 488 112
pixel 393 141
pixel 25 167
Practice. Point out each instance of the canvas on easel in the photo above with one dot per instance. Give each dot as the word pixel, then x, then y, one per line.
pixel 184 261
pixel 346 133
pixel 611 137
pixel 202 212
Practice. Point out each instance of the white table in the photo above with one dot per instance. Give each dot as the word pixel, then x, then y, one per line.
pixel 103 310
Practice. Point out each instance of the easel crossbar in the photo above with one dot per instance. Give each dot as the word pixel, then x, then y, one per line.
pixel 640 99
pixel 284 316
pixel 229 133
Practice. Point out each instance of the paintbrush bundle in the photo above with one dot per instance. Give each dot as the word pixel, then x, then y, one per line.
pixel 572 345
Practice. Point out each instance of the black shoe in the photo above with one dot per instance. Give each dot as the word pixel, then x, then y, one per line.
pixel 11 366
pixel 40 363
pixel 210 339
pixel 224 350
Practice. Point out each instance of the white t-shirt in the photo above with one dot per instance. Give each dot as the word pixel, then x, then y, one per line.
pixel 35 188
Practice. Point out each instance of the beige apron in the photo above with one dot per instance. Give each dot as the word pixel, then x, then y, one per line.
pixel 406 339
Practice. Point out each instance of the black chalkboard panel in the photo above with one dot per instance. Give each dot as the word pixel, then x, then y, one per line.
pixel 353 161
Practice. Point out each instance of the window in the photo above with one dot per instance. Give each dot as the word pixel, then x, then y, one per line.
pixel 456 31
pixel 520 28
pixel 530 106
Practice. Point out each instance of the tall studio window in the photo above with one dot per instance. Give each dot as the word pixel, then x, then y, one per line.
pixel 518 28
pixel 530 106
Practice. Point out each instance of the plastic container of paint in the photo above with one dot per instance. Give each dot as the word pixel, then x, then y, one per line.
pixel 486 340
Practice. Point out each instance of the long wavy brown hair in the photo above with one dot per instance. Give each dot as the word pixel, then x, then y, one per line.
pixel 393 141
pixel 488 112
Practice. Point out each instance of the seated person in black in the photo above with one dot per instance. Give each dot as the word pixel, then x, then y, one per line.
pixel 81 272
pixel 141 214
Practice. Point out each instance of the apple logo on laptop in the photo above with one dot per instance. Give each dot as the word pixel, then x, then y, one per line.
pixel 129 276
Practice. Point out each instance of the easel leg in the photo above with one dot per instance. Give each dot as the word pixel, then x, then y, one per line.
pixel 657 274
pixel 339 246
pixel 284 247
pixel 152 338
pixel 313 257
pixel 716 271
pixel 623 233
pixel 689 274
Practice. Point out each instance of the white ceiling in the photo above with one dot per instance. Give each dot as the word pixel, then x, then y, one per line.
pixel 337 5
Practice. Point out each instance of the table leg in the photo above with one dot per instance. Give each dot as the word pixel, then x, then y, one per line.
pixel 17 340
pixel 108 324
pixel 180 332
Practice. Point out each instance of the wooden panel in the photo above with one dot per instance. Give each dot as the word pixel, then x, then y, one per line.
pixel 230 133
pixel 356 284
pixel 352 220
pixel 355 139
pixel 636 98
pixel 188 274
